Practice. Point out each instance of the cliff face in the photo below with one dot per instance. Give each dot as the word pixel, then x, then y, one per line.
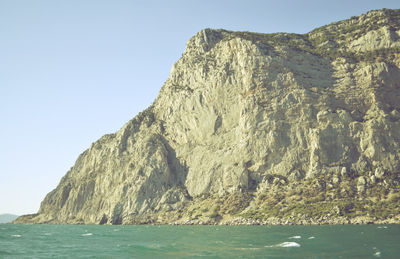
pixel 269 127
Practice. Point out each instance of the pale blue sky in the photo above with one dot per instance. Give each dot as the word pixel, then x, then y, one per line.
pixel 74 70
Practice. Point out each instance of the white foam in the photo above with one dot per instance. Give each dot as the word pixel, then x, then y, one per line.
pixel 16 235
pixel 286 244
pixel 295 237
pixel 311 237
pixel 47 234
pixel 289 244
pixel 377 254
pixel 87 234
pixel 383 227
pixel 248 248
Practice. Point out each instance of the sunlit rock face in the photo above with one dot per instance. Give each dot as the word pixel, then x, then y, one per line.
pixel 269 124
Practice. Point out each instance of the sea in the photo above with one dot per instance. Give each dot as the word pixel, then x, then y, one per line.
pixel 149 241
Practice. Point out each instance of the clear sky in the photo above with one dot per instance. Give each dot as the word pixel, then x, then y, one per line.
pixel 74 70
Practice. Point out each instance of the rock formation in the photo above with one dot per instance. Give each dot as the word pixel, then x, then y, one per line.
pixel 254 128
pixel 6 218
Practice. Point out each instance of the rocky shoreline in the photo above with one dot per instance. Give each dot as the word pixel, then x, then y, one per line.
pixel 240 221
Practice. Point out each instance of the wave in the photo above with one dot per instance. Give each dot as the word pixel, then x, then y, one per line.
pixel 377 254
pixel 5 253
pixel 87 234
pixel 247 248
pixel 311 237
pixel 295 237
pixel 16 235
pixel 286 244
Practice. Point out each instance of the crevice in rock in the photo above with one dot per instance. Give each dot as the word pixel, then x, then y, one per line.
pixel 103 220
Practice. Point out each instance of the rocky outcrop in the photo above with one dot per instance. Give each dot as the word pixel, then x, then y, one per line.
pixel 6 218
pixel 262 127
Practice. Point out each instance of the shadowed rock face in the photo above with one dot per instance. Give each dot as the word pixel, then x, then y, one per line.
pixel 257 126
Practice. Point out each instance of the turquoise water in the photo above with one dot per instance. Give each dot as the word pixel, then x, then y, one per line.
pixel 78 241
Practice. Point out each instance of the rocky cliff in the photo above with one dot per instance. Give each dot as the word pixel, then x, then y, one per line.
pixel 254 128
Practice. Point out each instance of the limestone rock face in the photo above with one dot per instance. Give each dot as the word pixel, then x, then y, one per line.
pixel 263 122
